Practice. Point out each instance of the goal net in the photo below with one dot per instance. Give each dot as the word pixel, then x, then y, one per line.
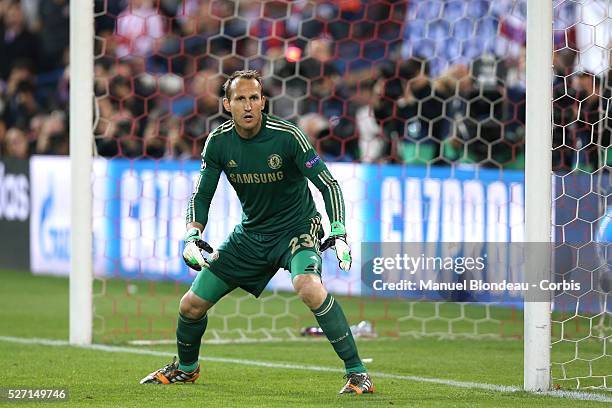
pixel 581 187
pixel 419 110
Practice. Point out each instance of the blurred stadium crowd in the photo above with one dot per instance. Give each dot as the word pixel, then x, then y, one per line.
pixel 418 82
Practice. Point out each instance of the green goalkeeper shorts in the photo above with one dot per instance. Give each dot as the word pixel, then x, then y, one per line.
pixel 249 260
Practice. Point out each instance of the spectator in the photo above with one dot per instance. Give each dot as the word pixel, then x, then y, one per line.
pixel 163 138
pixel 154 140
pixel 20 74
pixel 17 144
pixel 117 133
pixel 565 113
pixel 179 145
pixel 421 109
pixel 51 133
pixel 16 41
pixel 203 101
pixel 139 27
pixel 458 85
pixel 409 112
pixel 317 128
pixel 54 33
pixel 31 14
pixel 478 115
pixel 372 144
pixel 586 137
pixel 21 104
pixel 428 34
pixel 160 65
pixel 198 25
pixel 319 68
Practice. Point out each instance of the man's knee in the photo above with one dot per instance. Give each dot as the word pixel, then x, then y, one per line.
pixel 310 289
pixel 192 306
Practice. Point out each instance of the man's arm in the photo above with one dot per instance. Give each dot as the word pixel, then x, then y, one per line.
pixel 199 204
pixel 197 209
pixel 312 167
pixel 334 205
pixel 331 192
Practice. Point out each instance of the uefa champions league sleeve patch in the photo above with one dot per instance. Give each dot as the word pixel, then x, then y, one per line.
pixel 312 162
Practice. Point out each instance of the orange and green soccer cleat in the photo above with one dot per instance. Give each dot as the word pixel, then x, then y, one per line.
pixel 358 383
pixel 170 374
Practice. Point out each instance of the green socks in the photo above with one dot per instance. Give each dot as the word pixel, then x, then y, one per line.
pixel 333 323
pixel 189 334
pixel 329 315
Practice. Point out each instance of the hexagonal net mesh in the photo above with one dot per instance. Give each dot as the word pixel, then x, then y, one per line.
pixel 385 90
pixel 581 331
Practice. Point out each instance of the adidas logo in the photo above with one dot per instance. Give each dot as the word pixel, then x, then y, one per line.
pixel 232 163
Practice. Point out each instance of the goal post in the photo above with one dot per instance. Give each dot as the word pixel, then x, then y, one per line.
pixel 538 188
pixel 424 112
pixel 81 138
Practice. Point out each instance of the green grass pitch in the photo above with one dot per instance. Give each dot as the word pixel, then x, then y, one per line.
pixel 236 375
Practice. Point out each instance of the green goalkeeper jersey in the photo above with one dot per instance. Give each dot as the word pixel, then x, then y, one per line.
pixel 269 173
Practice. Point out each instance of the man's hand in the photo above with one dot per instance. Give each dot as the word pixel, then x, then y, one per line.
pixel 337 240
pixel 192 253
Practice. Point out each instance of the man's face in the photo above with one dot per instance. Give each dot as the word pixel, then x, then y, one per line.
pixel 245 103
pixel 17 144
pixel 14 16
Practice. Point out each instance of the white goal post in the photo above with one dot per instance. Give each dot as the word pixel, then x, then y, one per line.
pixel 538 188
pixel 81 139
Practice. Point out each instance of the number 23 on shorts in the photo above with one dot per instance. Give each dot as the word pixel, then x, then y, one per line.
pixel 301 241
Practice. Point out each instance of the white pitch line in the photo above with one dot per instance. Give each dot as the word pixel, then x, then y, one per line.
pixel 576 395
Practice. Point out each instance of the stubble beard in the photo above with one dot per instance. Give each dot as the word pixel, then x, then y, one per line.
pixel 248 129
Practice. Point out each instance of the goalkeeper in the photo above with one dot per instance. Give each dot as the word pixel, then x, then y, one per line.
pixel 268 162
